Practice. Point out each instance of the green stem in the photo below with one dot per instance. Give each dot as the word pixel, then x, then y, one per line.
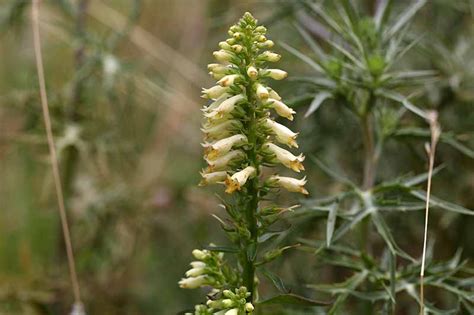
pixel 249 251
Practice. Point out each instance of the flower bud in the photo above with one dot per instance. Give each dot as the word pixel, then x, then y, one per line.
pixel 228 80
pixel 275 74
pixel 261 38
pixel 262 92
pixel 269 56
pixel 213 92
pixel 198 264
pixel 237 48
pixel 200 254
pixel 222 55
pixel 289 183
pixel 261 29
pixel 212 178
pixel 194 272
pixel 282 109
pixel 193 283
pixel 266 44
pixel 252 72
pixel 249 307
pixel 236 181
pixel 234 311
pixel 224 45
pixel 217 68
pixel 221 130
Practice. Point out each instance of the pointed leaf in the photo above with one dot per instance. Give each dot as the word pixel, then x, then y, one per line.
pixel 317 101
pixel 331 223
pixel 293 299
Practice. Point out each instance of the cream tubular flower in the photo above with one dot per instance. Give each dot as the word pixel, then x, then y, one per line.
pixel 212 178
pixel 262 92
pixel 225 107
pixel 228 80
pixel 275 95
pixel 275 74
pixel 222 55
pixel 221 130
pixel 236 181
pixel 223 162
pixel 290 184
pixel 283 134
pixel 197 264
pixel 269 56
pixel 234 311
pixel 282 109
pixel 217 68
pixel 286 157
pixel 213 92
pixel 200 254
pixel 223 146
pixel 216 103
pixel 252 72
pixel 194 272
pixel 193 282
pixel 249 307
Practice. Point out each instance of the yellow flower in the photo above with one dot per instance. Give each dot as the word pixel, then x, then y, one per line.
pixel 222 55
pixel 252 72
pixel 236 181
pixel 269 56
pixel 228 80
pixel 221 130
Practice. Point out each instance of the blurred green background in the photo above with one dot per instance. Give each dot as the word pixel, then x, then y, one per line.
pixel 124 80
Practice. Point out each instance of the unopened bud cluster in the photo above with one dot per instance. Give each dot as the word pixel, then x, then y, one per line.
pixel 208 270
pixel 240 133
pixel 226 302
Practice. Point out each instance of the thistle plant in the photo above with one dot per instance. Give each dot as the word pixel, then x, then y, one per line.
pixel 241 139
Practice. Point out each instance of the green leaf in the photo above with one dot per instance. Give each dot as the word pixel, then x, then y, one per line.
pixel 276 280
pixel 331 173
pixel 317 102
pixel 343 229
pixel 384 231
pixel 331 223
pixel 293 299
pixel 394 96
pixel 437 202
pixel 312 44
pixel 222 249
pixel 382 13
pixel 302 57
pixel 405 17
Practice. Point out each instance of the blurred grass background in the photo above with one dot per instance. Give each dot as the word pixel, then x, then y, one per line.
pixel 126 119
